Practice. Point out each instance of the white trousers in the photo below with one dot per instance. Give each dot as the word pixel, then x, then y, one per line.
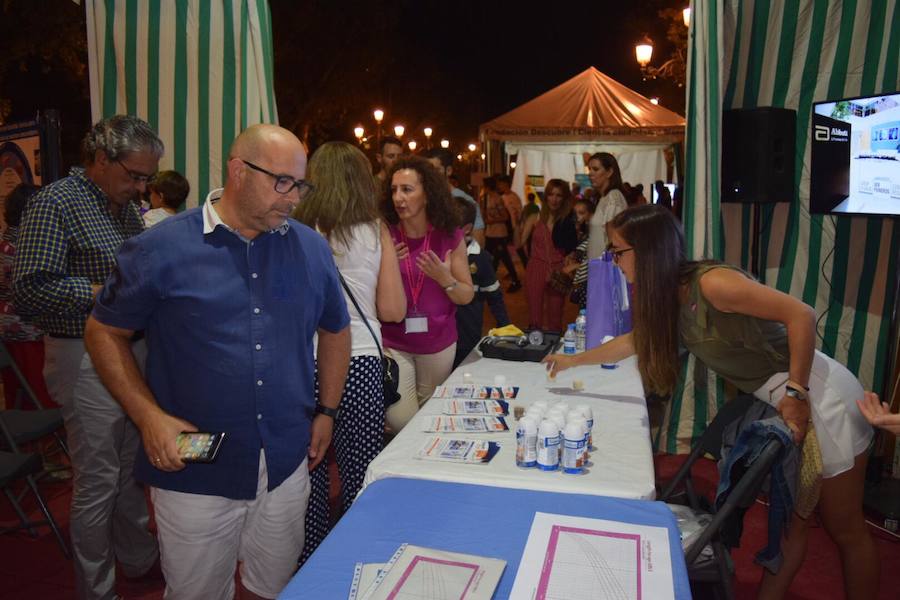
pixel 419 375
pixel 203 538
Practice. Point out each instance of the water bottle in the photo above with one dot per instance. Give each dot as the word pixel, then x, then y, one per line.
pixel 581 331
pixel 548 446
pixel 526 442
pixel 573 449
pixel 569 340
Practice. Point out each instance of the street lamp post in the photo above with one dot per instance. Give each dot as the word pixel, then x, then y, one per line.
pixel 412 145
pixel 398 130
pixel 445 143
pixel 427 131
pixel 378 114
pixel 359 132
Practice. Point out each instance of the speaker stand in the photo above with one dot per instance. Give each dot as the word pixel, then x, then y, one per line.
pixel 754 242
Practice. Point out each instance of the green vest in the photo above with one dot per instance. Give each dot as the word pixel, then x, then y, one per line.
pixel 745 350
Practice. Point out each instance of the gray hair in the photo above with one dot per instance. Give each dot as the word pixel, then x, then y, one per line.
pixel 118 136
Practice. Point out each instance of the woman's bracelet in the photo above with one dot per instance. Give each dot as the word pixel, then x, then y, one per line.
pixel 451 287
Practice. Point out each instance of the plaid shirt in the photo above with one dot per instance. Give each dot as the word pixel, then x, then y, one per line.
pixel 67 242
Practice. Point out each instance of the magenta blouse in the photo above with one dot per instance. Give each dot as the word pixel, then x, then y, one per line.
pixel 433 301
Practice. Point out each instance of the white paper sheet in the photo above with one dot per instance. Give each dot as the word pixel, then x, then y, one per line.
pixel 363 576
pixel 576 558
pixel 417 573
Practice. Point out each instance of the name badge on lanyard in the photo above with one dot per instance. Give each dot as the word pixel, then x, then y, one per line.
pixel 416 321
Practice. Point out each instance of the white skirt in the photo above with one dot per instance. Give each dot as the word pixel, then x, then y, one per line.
pixel 842 430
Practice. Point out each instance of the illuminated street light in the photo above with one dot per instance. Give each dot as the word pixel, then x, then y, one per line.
pixel 427 131
pixel 643 52
pixel 472 147
pixel 398 130
pixel 459 157
pixel 445 143
pixel 512 165
pixel 412 145
pixel 686 15
pixel 378 114
pixel 359 132
pixel 482 156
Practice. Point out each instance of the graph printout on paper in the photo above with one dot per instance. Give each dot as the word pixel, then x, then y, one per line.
pixel 575 558
pixel 418 573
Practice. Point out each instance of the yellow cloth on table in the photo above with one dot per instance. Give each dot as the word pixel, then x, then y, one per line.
pixel 810 483
pixel 508 330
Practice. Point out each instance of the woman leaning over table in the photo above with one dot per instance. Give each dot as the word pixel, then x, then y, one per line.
pixel 343 207
pixel 606 181
pixel 763 341
pixel 553 237
pixel 435 273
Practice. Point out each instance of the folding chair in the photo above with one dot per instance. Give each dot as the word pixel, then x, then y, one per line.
pixel 715 566
pixel 26 426
pixel 15 466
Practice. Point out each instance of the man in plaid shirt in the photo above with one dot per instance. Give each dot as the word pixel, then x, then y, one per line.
pixel 67 246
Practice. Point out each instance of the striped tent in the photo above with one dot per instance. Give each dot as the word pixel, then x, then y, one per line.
pixel 788 53
pixel 199 71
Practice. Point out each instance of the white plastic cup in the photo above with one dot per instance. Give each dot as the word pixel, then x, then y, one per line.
pixel 588 413
pixel 526 442
pixel 548 446
pixel 573 449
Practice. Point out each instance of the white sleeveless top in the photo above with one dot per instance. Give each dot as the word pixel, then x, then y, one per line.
pixel 360 263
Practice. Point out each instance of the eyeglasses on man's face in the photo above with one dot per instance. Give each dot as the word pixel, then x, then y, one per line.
pixel 283 183
pixel 617 253
pixel 137 177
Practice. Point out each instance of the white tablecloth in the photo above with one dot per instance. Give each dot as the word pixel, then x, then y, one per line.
pixel 622 461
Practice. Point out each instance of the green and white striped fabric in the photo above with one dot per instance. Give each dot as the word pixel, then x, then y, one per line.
pixel 199 71
pixel 788 53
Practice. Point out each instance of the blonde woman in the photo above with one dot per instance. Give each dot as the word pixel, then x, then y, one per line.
pixel 343 207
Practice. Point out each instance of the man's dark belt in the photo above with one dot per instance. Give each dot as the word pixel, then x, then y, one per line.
pixel 136 336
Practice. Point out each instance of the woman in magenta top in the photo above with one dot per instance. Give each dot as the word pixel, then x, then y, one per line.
pixel 435 273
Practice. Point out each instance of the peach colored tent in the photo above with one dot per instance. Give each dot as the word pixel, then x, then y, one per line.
pixel 590 112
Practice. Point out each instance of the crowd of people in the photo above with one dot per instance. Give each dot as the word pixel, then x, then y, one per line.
pixel 266 312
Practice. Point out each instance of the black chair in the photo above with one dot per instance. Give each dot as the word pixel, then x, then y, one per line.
pixel 25 426
pixel 715 567
pixel 16 466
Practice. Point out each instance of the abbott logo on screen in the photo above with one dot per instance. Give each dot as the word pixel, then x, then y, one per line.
pixel 831 134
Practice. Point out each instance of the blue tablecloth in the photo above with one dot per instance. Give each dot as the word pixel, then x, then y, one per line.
pixel 475 519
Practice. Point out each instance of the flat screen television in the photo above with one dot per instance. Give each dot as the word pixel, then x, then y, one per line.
pixel 855 156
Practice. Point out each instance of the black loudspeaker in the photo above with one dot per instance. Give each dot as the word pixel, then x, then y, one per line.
pixel 758 155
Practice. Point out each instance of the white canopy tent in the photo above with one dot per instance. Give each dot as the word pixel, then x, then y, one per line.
pixel 586 114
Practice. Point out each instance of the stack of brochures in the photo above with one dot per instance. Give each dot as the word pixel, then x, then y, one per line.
pixel 413 569
pixel 458 450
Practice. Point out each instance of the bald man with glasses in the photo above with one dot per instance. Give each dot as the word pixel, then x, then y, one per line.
pixel 231 295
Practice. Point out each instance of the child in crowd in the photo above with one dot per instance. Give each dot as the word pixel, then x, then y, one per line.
pixel 168 191
pixel 470 317
pixel 584 210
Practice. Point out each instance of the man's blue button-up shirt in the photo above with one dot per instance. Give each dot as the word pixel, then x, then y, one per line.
pixel 229 325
